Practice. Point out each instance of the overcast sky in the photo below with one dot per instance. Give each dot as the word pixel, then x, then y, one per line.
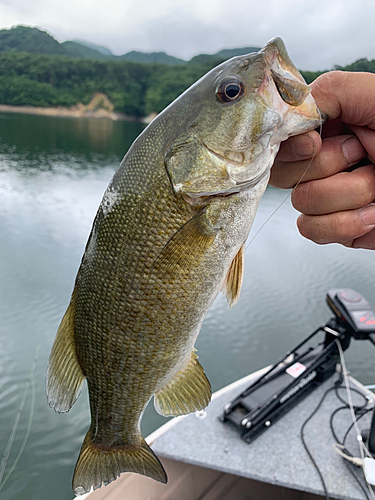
pixel 318 33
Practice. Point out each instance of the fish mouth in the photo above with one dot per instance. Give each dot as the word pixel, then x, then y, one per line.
pixel 219 182
pixel 239 185
pixel 203 197
pixel 223 158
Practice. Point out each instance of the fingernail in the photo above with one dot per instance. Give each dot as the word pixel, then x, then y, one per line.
pixel 303 145
pixel 368 215
pixel 353 150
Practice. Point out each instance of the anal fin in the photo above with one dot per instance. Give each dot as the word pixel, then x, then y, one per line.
pixel 188 391
pixel 64 374
pixel 233 281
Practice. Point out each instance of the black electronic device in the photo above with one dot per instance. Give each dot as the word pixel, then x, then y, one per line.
pixel 354 312
pixel 303 368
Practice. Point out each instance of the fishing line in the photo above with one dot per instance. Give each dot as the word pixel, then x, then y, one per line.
pixel 282 203
pixel 337 385
pixel 364 412
pixel 362 447
pixel 295 187
pixel 31 381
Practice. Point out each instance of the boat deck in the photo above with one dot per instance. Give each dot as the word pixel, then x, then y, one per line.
pixel 207 460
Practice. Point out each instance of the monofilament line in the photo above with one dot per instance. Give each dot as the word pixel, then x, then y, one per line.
pixel 31 380
pixel 282 203
pixel 295 187
pixel 362 447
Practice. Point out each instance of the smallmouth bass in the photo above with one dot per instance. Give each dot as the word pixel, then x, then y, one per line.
pixel 168 236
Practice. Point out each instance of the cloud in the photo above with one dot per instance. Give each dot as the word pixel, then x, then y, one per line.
pixel 317 35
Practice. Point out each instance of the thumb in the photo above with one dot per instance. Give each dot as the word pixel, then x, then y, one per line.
pixel 348 96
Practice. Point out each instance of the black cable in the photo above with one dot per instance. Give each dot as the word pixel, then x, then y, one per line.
pixel 305 445
pixel 356 409
pixel 348 465
pixel 346 406
pixel 350 469
pixel 352 424
pixel 354 389
pixel 336 438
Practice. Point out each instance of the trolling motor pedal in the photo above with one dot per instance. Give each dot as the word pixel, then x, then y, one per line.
pixel 303 368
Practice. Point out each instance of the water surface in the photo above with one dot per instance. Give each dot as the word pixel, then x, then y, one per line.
pixel 53 173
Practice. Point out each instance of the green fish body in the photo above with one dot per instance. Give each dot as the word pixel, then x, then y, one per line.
pixel 168 236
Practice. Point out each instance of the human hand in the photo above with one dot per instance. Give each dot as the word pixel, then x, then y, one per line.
pixel 337 205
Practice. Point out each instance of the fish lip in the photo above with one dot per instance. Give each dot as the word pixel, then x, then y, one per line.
pixel 249 183
pixel 204 198
pixel 240 186
pixel 222 158
pixel 221 194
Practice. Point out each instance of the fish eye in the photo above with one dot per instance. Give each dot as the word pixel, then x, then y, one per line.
pixel 229 90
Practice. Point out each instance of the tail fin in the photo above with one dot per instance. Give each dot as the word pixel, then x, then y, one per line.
pixel 97 465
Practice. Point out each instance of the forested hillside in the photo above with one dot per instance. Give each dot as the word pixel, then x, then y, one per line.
pixel 36 70
pixel 134 89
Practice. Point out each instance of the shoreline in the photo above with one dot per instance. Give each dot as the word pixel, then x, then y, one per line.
pixel 79 111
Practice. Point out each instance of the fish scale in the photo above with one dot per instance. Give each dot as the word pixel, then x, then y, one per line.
pixel 168 236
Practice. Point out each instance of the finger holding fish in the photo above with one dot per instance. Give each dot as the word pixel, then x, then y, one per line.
pixel 351 228
pixel 336 206
pixel 306 158
pixel 343 191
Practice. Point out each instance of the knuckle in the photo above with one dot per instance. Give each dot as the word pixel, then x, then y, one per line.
pixel 364 186
pixel 299 197
pixel 307 227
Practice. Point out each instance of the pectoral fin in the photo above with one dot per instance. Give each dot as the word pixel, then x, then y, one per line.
pixel 64 374
pixel 187 245
pixel 188 391
pixel 233 281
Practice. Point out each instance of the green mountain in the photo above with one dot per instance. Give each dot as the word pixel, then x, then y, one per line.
pixel 77 50
pixel 32 40
pixel 34 73
pixel 99 48
pixel 151 57
pixel 228 53
pixel 36 41
pixel 206 59
pixel 221 56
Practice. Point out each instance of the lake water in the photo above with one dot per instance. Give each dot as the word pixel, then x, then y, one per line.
pixel 53 173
